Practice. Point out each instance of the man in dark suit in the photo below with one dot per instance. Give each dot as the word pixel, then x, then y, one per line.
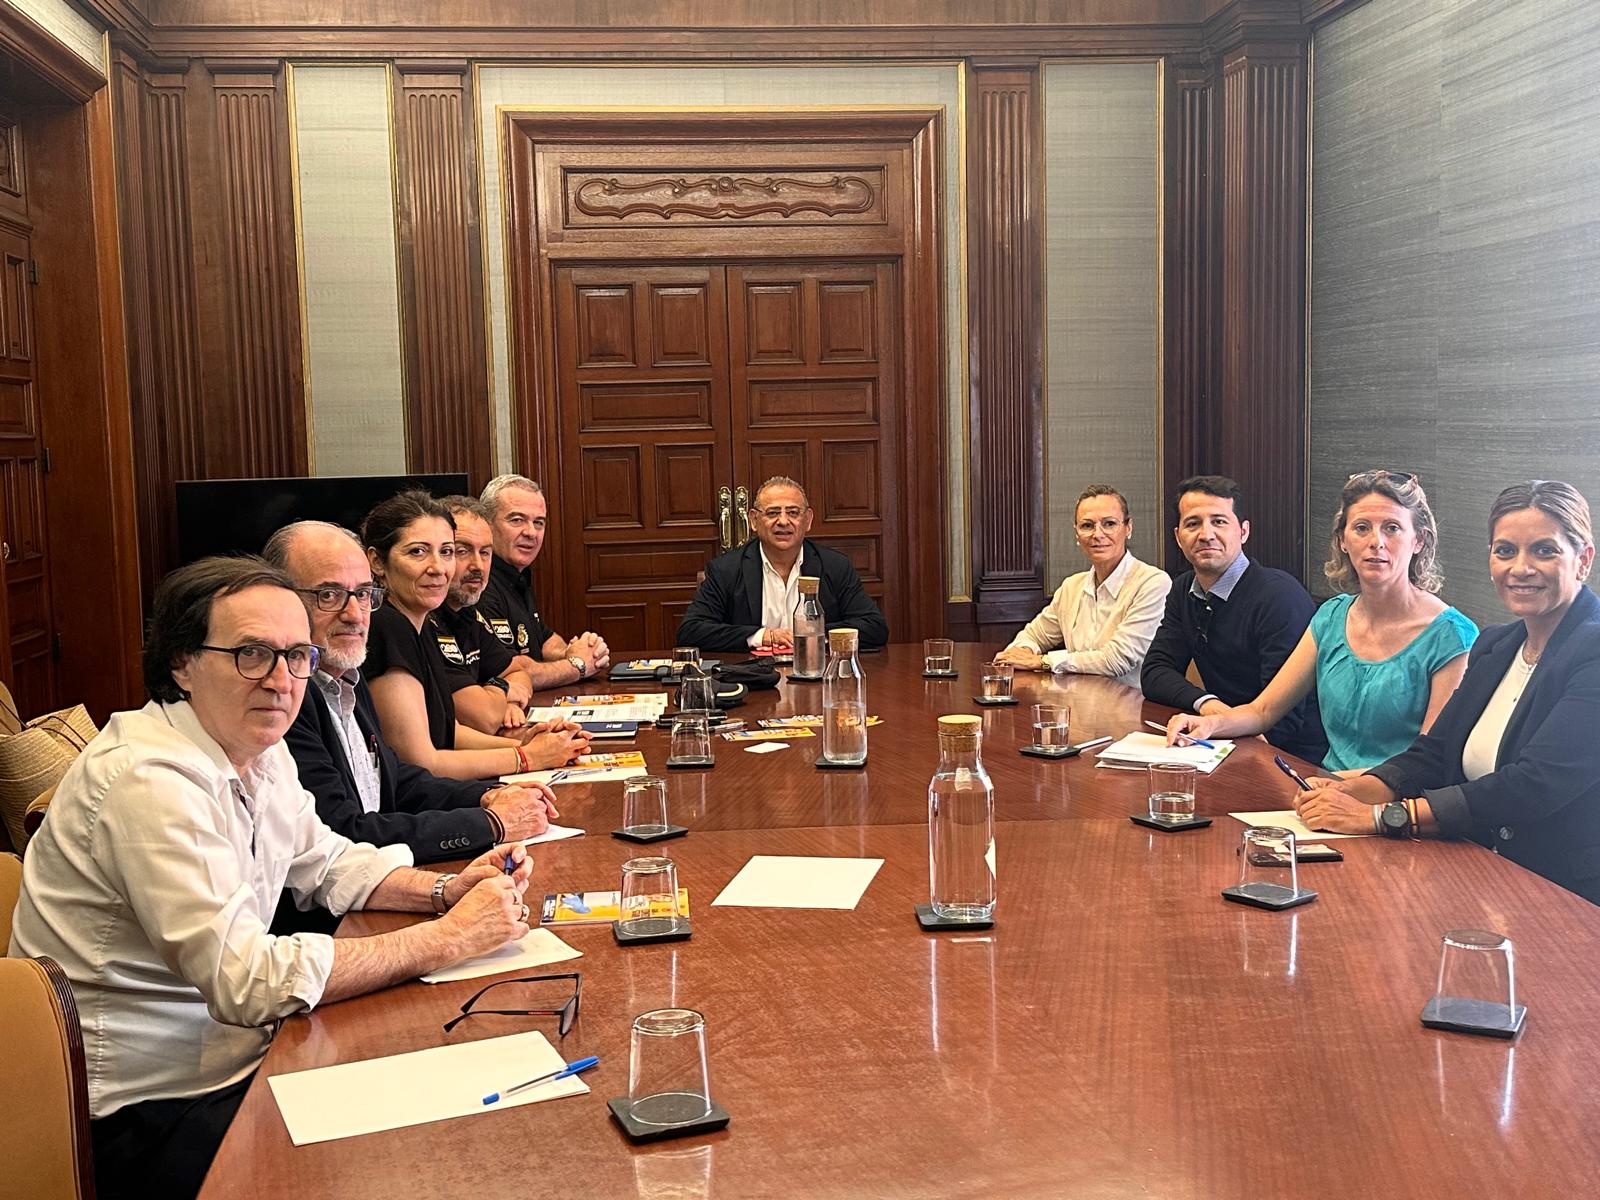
pixel 362 788
pixel 749 595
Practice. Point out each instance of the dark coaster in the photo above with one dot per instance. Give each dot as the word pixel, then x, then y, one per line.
pixel 716 1119
pixel 824 765
pixel 1482 1017
pixel 689 762
pixel 995 701
pixel 941 674
pixel 934 924
pixel 679 934
pixel 1051 751
pixel 1268 895
pixel 794 678
pixel 644 839
pixel 1169 824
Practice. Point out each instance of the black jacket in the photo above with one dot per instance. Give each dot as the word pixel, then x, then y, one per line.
pixel 1540 806
pixel 727 608
pixel 438 818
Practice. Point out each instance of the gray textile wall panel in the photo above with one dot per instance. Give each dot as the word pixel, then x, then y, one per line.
pixel 1455 240
pixel 1102 267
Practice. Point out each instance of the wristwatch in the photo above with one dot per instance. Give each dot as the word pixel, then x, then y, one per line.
pixel 1395 820
pixel 438 892
pixel 578 663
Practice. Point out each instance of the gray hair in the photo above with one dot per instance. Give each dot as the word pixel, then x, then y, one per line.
pixel 780 481
pixel 276 551
pixel 490 496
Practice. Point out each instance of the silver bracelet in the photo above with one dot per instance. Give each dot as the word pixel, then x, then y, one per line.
pixel 439 882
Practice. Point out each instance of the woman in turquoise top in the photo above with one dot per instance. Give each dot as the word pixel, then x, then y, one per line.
pixel 1385 656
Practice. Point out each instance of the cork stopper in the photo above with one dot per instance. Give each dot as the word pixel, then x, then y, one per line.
pixel 960 731
pixel 842 641
pixel 809 585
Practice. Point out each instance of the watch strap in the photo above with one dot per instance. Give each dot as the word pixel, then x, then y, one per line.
pixel 439 882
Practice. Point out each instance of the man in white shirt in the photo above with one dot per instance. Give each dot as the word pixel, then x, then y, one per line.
pixel 1100 621
pixel 169 842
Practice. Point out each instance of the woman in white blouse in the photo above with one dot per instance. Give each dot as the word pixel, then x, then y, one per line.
pixel 1100 621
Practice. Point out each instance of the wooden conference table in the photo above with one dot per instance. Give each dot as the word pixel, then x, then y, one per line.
pixel 1122 1031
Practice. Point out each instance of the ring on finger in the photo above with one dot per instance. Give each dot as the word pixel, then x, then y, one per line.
pixel 525 913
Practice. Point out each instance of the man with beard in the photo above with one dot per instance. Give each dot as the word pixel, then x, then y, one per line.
pixel 363 790
pixel 491 686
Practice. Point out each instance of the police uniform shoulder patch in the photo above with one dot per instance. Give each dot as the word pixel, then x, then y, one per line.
pixel 501 628
pixel 451 651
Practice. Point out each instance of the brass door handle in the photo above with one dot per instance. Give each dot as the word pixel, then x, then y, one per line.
pixel 724 518
pixel 5 551
pixel 741 498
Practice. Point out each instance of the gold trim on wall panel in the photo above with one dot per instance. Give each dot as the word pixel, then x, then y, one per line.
pixel 1313 567
pixel 300 268
pixel 962 551
pixel 1161 302
pixel 399 274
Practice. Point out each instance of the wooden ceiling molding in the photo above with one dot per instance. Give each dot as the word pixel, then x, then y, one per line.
pixel 34 51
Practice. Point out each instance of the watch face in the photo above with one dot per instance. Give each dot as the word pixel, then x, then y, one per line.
pixel 1395 817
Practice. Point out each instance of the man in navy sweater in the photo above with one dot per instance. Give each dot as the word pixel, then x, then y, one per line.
pixel 1236 620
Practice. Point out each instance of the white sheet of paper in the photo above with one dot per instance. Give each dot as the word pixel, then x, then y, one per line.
pixel 774 881
pixel 766 747
pixel 536 948
pixel 1290 820
pixel 1141 749
pixel 413 1089
pixel 555 778
pixel 556 833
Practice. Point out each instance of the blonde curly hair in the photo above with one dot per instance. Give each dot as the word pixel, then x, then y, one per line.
pixel 1405 491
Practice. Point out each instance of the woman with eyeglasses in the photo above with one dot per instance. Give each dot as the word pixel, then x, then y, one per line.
pixel 410 541
pixel 1513 761
pixel 1100 621
pixel 1386 653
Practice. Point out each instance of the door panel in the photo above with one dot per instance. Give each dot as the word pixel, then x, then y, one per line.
pixel 819 411
pixel 642 388
pixel 24 545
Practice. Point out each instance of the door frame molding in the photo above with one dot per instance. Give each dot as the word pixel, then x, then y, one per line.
pixel 919 541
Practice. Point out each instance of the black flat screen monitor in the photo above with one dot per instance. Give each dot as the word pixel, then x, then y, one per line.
pixel 237 516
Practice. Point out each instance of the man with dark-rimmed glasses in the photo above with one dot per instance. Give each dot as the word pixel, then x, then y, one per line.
pixel 169 841
pixel 1236 620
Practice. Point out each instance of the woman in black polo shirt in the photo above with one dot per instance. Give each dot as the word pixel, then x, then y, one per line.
pixel 410 541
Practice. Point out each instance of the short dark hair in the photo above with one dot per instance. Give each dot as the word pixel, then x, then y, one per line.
pixel 470 505
pixel 180 614
pixel 383 525
pixel 1101 489
pixel 1561 502
pixel 1219 486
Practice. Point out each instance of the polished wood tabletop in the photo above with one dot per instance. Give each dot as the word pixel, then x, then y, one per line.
pixel 1121 1031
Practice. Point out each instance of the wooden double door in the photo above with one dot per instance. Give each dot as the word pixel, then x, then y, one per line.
pixel 681 387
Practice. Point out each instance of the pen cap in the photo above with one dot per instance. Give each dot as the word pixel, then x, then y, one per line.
pixel 809 585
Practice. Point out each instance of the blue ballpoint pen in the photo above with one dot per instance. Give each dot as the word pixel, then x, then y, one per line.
pixel 572 1068
pixel 1277 761
pixel 1193 741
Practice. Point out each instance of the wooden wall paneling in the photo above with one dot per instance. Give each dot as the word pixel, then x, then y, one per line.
pixel 1261 427
pixel 160 301
pixel 441 281
pixel 1005 348
pixel 257 377
pixel 46 58
pixel 1192 272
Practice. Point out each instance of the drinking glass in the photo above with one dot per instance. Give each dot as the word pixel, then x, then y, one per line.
pixel 685 656
pixel 644 806
pixel 997 680
pixel 649 898
pixel 1050 725
pixel 691 740
pixel 937 655
pixel 1265 853
pixel 1172 791
pixel 668 1079
pixel 697 696
pixel 1477 988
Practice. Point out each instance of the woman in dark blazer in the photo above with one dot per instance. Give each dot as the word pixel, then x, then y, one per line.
pixel 1513 760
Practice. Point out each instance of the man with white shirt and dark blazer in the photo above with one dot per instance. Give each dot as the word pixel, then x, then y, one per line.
pixel 1100 621
pixel 748 598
